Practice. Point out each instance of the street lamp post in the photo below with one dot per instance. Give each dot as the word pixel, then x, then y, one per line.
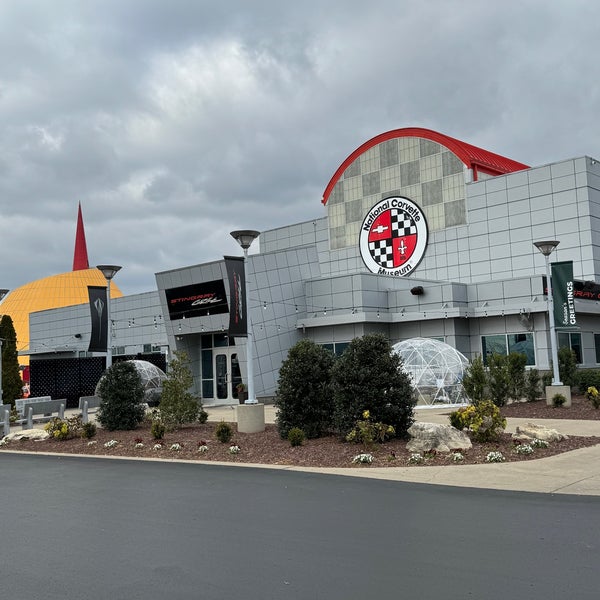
pixel 244 238
pixel 109 271
pixel 546 248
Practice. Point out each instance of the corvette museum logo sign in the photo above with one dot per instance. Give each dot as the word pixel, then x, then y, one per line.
pixel 393 237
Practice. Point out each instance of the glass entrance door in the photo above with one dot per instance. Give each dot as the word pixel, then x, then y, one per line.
pixel 227 374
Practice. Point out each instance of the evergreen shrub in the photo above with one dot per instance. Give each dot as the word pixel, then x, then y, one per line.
pixel 304 393
pixel 369 376
pixel 296 436
pixel 121 395
pixel 224 432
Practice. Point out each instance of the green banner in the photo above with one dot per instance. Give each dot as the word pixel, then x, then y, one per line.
pixel 562 295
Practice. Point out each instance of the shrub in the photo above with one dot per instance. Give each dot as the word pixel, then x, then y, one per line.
pixel 482 420
pixel 547 379
pixel 304 397
pixel 64 429
pixel 122 393
pixel 58 429
pixel 12 384
pixel 475 380
pixel 532 385
pixel 296 436
pixel 224 432
pixel 558 400
pixel 499 379
pixel 367 431
pixel 157 429
pixel 177 404
pixel 369 376
pixel 516 375
pixel 588 378
pixel 593 396
pixel 88 430
pixel 567 366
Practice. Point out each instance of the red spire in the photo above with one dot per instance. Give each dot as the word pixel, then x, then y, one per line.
pixel 80 258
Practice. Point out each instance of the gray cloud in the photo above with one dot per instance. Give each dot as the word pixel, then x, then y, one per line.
pixel 174 123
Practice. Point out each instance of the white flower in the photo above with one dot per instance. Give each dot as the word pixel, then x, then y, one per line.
pixel 536 443
pixel 457 457
pixel 111 444
pixel 363 458
pixel 139 445
pixel 524 449
pixel 92 443
pixel 494 457
pixel 234 449
pixel 415 459
pixel 157 447
pixel 203 448
pixel 176 447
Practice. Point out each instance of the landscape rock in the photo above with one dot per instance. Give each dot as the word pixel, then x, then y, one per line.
pixel 26 434
pixel 531 431
pixel 438 437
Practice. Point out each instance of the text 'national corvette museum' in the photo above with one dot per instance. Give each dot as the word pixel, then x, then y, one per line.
pixel 423 236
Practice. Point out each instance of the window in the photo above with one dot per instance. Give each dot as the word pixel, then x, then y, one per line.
pixel 337 347
pixel 573 341
pixel 507 343
pixel 597 346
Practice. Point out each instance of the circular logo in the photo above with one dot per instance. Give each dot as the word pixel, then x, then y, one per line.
pixel 393 237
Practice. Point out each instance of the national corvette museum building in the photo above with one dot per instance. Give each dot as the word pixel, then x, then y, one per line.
pixel 424 236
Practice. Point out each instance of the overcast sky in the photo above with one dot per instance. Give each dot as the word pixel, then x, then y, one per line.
pixel 175 122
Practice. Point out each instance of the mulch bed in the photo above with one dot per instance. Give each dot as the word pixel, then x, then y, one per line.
pixel 268 448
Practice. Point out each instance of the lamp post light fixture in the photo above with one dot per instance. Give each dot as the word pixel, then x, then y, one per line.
pixel 546 248
pixel 244 238
pixel 109 271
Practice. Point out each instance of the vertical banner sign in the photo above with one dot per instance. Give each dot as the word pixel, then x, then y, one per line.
pixel 99 336
pixel 238 312
pixel 563 295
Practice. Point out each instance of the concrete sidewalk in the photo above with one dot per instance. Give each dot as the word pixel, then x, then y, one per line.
pixel 576 472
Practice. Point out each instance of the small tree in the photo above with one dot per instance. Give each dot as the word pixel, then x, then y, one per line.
pixel 122 393
pixel 369 376
pixel 12 384
pixel 177 404
pixel 567 366
pixel 532 385
pixel 304 394
pixel 516 375
pixel 499 383
pixel 475 380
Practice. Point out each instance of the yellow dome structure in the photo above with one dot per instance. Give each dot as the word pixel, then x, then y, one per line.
pixel 56 291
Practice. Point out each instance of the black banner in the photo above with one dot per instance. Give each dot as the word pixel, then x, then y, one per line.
pixel 197 300
pixel 238 315
pixel 99 315
pixel 562 294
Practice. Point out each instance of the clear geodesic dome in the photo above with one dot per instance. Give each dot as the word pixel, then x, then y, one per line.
pixel 436 370
pixel 152 378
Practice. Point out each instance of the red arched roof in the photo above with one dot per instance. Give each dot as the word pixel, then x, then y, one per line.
pixel 473 157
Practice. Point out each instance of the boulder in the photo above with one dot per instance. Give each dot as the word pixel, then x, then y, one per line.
pixel 26 434
pixel 438 437
pixel 531 431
